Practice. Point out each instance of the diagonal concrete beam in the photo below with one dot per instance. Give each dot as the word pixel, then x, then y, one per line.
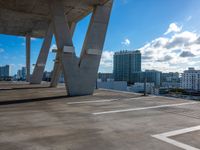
pixel 28 56
pixel 38 71
pixel 57 70
pixel 96 33
pixel 80 74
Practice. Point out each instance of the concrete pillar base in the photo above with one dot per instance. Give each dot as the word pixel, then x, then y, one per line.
pixel 58 63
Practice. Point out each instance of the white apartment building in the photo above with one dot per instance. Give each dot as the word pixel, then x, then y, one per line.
pixel 191 79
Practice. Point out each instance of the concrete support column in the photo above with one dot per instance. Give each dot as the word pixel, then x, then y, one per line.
pixel 28 55
pixel 57 70
pixel 38 71
pixel 80 74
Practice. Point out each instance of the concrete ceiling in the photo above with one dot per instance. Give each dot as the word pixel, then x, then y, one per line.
pixel 21 17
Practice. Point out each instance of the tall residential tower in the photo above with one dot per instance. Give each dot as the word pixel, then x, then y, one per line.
pixel 126 63
pixel 5 71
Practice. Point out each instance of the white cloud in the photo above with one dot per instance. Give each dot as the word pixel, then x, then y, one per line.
pixel 33 39
pixel 13 65
pixel 54 46
pixel 24 37
pixel 21 65
pixel 126 42
pixel 173 27
pixel 174 53
pixel 106 64
pixel 1 50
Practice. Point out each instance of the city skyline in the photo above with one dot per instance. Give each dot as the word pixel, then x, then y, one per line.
pixel 168 42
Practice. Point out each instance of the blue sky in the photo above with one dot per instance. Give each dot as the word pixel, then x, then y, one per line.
pixel 166 31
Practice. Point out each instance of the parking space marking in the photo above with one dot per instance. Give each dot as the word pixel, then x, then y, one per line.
pixel 95 101
pixel 119 91
pixel 142 97
pixel 108 100
pixel 166 137
pixel 142 108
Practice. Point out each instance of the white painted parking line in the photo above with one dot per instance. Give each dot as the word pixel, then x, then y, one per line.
pixel 108 100
pixel 142 108
pixel 118 91
pixel 182 131
pixel 141 97
pixel 170 98
pixel 165 137
pixel 96 101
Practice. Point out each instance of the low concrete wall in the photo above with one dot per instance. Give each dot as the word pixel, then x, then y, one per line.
pixel 115 85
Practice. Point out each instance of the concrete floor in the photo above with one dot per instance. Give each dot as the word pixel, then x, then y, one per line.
pixel 41 118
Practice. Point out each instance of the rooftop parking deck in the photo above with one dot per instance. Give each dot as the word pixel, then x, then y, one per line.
pixel 35 117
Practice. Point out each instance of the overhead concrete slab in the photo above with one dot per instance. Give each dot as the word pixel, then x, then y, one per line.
pixel 19 17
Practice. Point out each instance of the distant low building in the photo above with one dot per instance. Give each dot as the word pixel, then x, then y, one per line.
pixel 191 79
pixel 139 88
pixel 104 77
pixel 170 77
pixel 47 76
pixel 114 85
pixel 151 76
pixel 172 85
pixel 61 79
pixel 170 80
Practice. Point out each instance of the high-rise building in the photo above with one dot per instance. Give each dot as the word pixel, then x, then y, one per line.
pixel 126 63
pixel 21 74
pixel 191 79
pixel 5 71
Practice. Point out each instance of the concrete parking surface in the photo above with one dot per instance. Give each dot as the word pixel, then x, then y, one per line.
pixel 42 118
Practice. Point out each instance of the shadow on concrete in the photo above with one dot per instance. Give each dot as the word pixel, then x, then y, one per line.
pixel 23 88
pixel 21 101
